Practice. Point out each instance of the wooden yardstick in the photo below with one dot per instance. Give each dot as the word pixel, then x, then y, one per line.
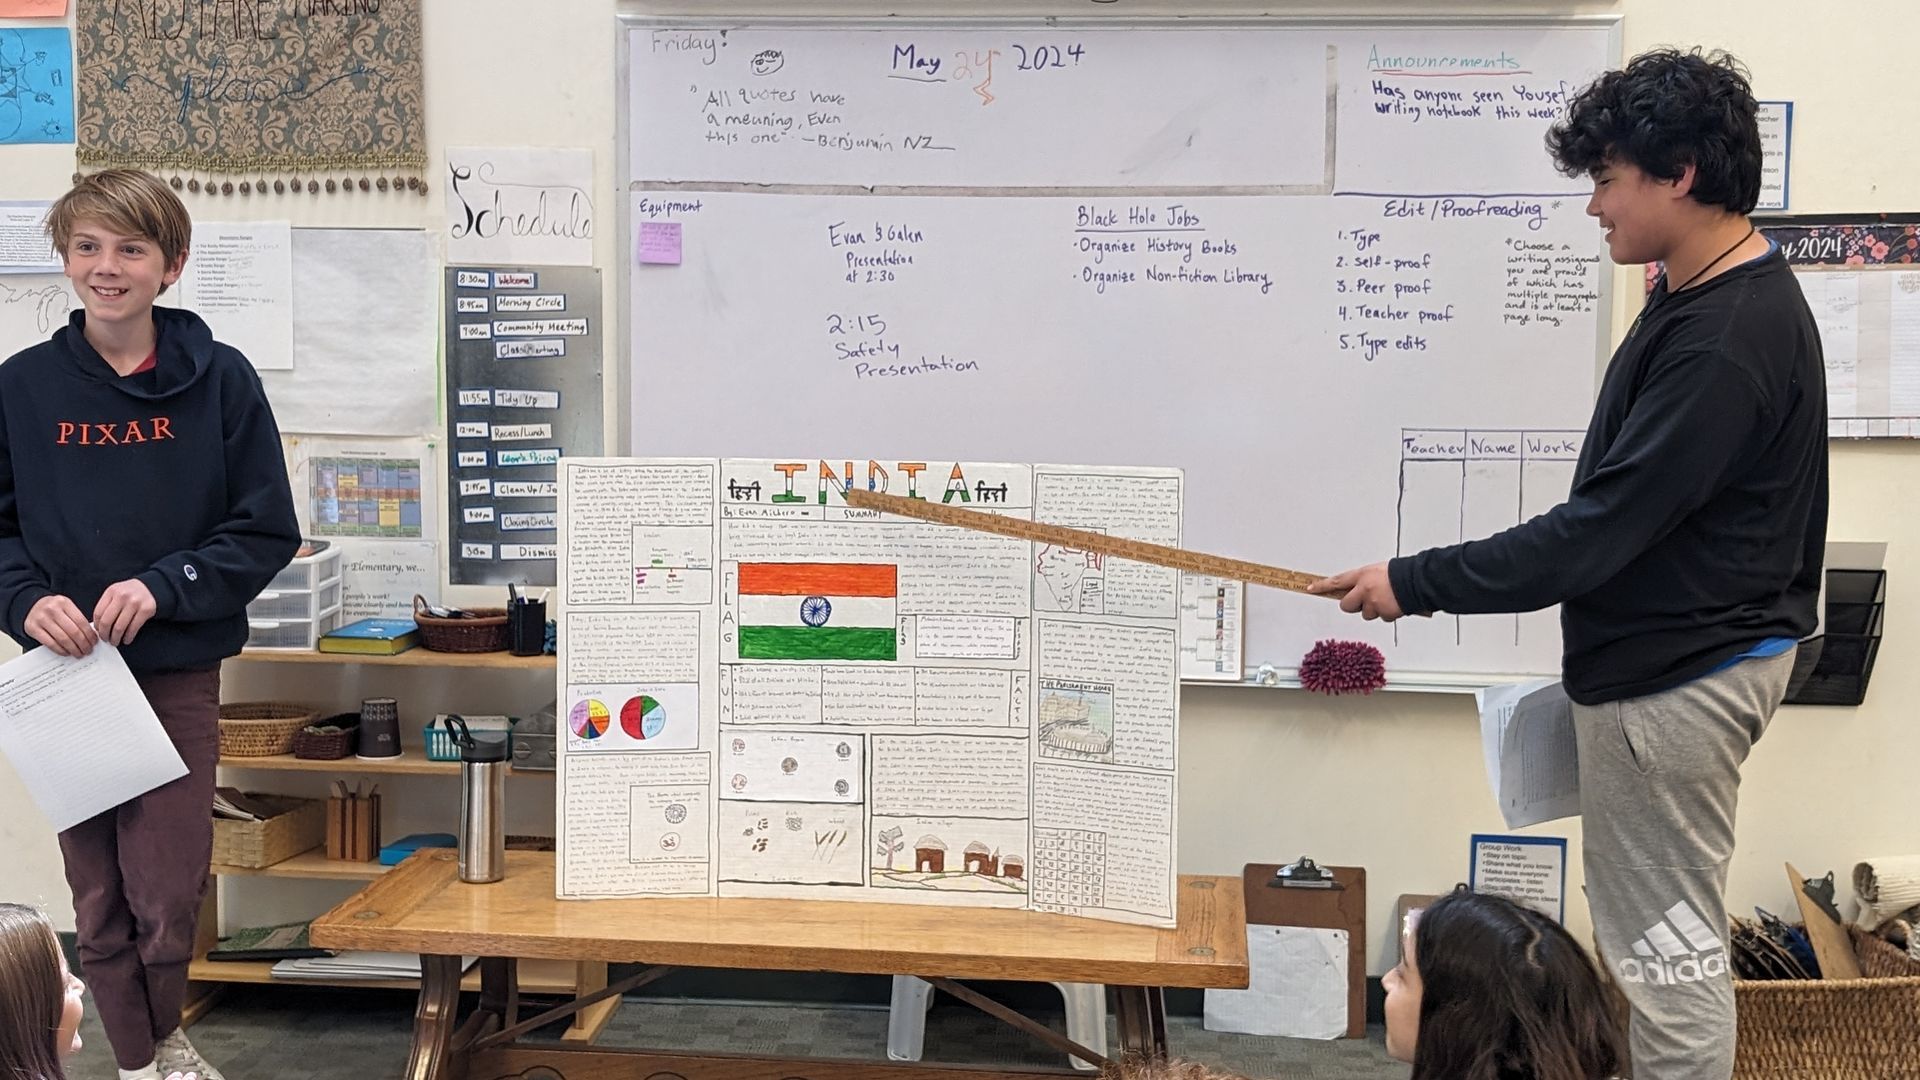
pixel 1194 562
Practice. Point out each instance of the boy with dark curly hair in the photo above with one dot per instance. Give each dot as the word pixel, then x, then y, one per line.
pixel 1687 558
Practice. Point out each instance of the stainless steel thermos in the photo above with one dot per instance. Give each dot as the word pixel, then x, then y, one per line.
pixel 484 759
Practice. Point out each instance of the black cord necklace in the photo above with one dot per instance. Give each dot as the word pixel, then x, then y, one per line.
pixel 1751 229
pixel 1651 304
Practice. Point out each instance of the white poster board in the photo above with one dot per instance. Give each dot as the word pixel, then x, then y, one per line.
pixel 764 692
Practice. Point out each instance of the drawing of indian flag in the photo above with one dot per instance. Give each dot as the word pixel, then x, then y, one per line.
pixel 817 611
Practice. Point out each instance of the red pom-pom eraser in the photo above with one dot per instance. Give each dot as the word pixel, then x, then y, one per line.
pixel 1343 667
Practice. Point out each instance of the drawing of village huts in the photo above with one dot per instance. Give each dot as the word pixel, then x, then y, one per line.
pixel 980 867
pixel 930 855
pixel 979 860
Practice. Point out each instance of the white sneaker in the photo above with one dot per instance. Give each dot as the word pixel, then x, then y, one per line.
pixel 176 1055
pixel 148 1073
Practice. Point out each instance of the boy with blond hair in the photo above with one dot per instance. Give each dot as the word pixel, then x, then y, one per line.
pixel 142 502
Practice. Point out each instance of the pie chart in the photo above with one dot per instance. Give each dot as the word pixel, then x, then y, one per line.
pixel 643 717
pixel 589 719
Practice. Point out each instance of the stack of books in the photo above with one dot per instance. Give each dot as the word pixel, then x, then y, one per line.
pixel 356 965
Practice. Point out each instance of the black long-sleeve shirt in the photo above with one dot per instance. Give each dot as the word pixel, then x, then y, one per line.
pixel 173 477
pixel 1697 521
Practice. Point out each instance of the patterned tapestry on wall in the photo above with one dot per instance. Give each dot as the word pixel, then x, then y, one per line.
pixel 322 94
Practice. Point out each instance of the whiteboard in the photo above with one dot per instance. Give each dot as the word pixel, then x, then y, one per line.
pixel 943 107
pixel 1398 353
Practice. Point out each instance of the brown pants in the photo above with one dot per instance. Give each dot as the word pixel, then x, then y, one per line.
pixel 138 872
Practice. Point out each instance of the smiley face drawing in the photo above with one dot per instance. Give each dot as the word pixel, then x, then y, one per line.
pixel 768 61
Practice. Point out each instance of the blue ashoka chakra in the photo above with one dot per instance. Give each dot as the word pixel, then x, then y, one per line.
pixel 815 610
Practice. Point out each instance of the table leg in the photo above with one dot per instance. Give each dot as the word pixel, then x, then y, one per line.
pixel 500 988
pixel 434 1053
pixel 1140 1015
pixel 1157 1019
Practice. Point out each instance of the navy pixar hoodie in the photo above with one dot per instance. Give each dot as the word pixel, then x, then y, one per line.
pixel 172 476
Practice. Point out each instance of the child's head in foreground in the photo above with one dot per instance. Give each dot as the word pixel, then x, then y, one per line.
pixel 40 1001
pixel 1488 989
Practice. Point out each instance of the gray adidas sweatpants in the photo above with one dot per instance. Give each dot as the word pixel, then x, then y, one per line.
pixel 1659 783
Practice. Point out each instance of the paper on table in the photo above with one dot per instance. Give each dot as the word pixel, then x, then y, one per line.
pixel 240 280
pixel 1526 734
pixel 356 965
pixel 1297 986
pixel 81 734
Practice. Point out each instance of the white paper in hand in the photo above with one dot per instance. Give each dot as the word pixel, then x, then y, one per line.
pixel 1526 733
pixel 81 734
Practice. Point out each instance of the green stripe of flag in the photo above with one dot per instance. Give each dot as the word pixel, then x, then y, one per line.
pixel 816 643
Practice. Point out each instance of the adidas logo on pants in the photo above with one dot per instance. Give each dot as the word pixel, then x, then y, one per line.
pixel 1679 949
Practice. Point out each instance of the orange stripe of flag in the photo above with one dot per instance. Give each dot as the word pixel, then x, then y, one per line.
pixel 818 579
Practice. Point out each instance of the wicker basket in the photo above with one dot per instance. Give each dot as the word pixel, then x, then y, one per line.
pixel 1811 1029
pixel 260 728
pixel 485 632
pixel 297 825
pixel 311 744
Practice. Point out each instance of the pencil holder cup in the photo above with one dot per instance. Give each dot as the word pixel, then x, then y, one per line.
pixel 527 627
pixel 379 728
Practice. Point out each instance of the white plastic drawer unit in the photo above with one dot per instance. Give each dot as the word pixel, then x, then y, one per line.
pixel 307 573
pixel 300 604
pixel 296 604
pixel 289 633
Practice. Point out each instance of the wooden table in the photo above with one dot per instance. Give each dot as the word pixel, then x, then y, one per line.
pixel 423 907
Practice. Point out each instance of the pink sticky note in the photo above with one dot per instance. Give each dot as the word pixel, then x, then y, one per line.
pixel 660 242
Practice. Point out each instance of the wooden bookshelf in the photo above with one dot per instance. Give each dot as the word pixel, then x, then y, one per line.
pixel 414 657
pixel 209 978
pixel 536 976
pixel 307 864
pixel 410 761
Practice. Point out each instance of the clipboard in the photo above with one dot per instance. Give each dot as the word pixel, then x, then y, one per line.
pixel 1341 908
pixel 1831 945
